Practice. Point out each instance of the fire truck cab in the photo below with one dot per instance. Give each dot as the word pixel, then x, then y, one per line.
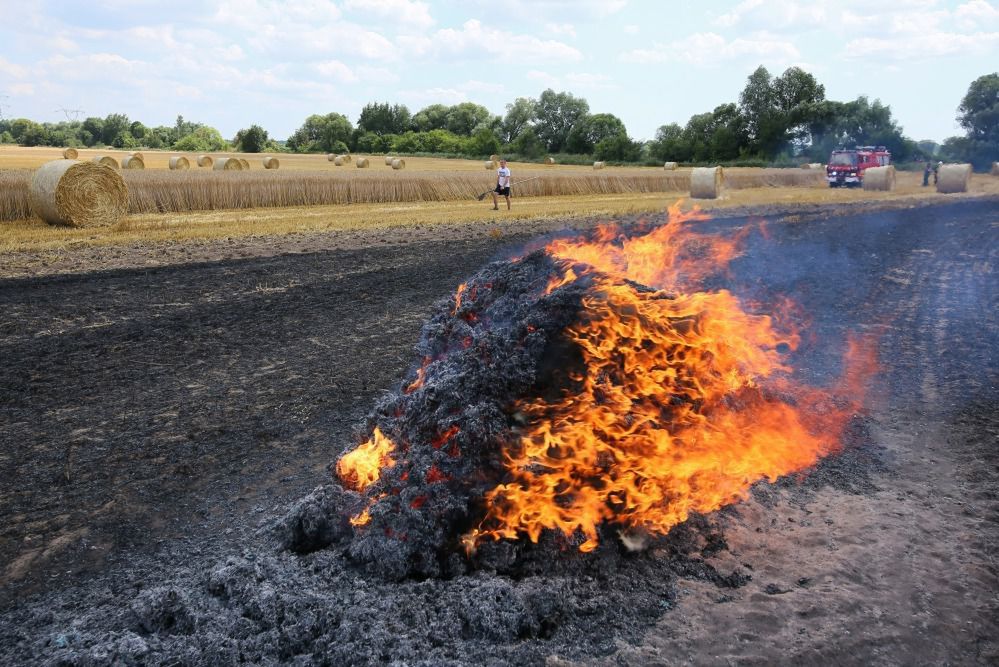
pixel 847 167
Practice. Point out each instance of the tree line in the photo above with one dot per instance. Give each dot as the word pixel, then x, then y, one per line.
pixel 776 119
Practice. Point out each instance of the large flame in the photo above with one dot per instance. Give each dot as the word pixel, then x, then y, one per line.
pixel 361 467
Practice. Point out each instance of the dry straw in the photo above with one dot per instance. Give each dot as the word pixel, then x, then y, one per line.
pixel 494 158
pixel 881 179
pixel 179 162
pixel 338 161
pixel 388 160
pixel 706 182
pixel 598 165
pixel 347 159
pixel 137 154
pixel 243 161
pixel 362 163
pixel 79 194
pixel 70 153
pixel 132 162
pixel 227 164
pixel 953 178
pixel 398 163
pixel 490 164
pixel 271 163
pixel 205 161
pixel 670 166
pixel 330 157
pixel 995 169
pixel 549 160
pixel 105 160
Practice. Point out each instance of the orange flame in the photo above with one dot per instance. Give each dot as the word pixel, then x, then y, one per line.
pixel 362 466
pixel 667 416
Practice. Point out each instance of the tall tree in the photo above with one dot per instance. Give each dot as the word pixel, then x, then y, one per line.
pixel 520 114
pixel 463 118
pixel 978 114
pixel 328 133
pixel 432 117
pixel 383 118
pixel 251 140
pixel 556 115
pixel 588 131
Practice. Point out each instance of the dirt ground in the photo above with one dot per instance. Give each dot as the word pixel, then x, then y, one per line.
pixel 159 404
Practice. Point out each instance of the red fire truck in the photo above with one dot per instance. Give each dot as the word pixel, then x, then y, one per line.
pixel 847 167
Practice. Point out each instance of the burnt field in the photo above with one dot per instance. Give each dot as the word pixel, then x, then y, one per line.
pixel 156 424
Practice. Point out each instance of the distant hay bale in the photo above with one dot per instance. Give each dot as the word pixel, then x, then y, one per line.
pixel 670 166
pixel 205 161
pixel 243 161
pixel 132 162
pixel 137 154
pixel 880 179
pixel 816 165
pixel 105 160
pixel 953 178
pixel 388 160
pixel 346 158
pixel 179 162
pixel 330 157
pixel 490 164
pixel 362 163
pixel 706 182
pixel 494 158
pixel 271 163
pixel 338 160
pixel 995 169
pixel 78 194
pixel 398 163
pixel 227 164
pixel 550 160
pixel 70 153
pixel 598 165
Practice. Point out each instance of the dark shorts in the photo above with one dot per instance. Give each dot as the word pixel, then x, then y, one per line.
pixel 505 192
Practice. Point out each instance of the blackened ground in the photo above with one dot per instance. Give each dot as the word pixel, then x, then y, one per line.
pixel 151 419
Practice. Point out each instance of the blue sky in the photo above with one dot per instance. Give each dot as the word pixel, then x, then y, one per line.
pixel 231 63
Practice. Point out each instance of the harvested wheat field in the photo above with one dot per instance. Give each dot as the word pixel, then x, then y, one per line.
pixel 280 434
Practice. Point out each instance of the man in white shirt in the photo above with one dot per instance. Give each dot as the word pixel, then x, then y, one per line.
pixel 502 185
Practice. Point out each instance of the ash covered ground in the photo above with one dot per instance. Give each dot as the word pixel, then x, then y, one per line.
pixel 253 387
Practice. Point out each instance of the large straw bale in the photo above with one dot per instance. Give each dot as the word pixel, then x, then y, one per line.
pixel 70 153
pixel 347 159
pixel 494 158
pixel 105 160
pixel 881 179
pixel 132 162
pixel 953 178
pixel 246 163
pixel 205 161
pixel 227 164
pixel 137 154
pixel 179 162
pixel 362 163
pixel 338 161
pixel 670 166
pixel 549 160
pixel 706 182
pixel 79 194
pixel 598 165
pixel 490 164
pixel 398 163
pixel 271 163
pixel 995 169
pixel 388 160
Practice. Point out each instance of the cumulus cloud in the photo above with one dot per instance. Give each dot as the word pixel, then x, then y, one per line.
pixel 473 40
pixel 336 70
pixel 574 81
pixel 407 12
pixel 561 29
pixel 708 48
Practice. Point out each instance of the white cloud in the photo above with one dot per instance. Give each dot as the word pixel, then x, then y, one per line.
pixel 780 16
pixel 336 70
pixel 543 78
pixel 976 14
pixel 433 96
pixel 408 12
pixel 711 48
pixel 21 89
pixel 561 29
pixel 573 81
pixel 937 45
pixel 474 86
pixel 12 70
pixel 367 74
pixel 473 40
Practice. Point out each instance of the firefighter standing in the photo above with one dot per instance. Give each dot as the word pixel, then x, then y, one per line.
pixel 926 173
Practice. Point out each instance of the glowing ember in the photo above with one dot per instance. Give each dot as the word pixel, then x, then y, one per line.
pixel 362 466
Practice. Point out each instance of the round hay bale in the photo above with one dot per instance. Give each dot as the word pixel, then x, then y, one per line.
pixel 243 161
pixel 105 160
pixel 494 158
pixel 995 169
pixel 179 162
pixel 598 165
pixel 362 163
pixel 388 160
pixel 953 178
pixel 490 164
pixel 706 182
pixel 880 179
pixel 227 164
pixel 70 153
pixel 137 154
pixel 330 157
pixel 398 163
pixel 132 162
pixel 205 160
pixel 78 194
pixel 670 166
pixel 816 165
pixel 549 160
pixel 347 159
pixel 338 160
pixel 271 163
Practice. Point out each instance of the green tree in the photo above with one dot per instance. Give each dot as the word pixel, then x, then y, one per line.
pixel 384 118
pixel 591 130
pixel 556 114
pixel 6 137
pixel 251 140
pixel 463 118
pixel 618 147
pixel 483 142
pixel 777 110
pixel 527 144
pixel 669 146
pixel 520 114
pixel 322 134
pixel 115 126
pixel 433 117
pixel 202 139
pixel 978 114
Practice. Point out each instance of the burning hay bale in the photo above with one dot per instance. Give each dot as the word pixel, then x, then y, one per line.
pixel 881 179
pixel 398 164
pixel 271 163
pixel 598 165
pixel 205 161
pixel 70 153
pixel 179 163
pixel 227 164
pixel 105 160
pixel 670 166
pixel 131 161
pixel 78 194
pixel 706 182
pixel 953 178
pixel 560 403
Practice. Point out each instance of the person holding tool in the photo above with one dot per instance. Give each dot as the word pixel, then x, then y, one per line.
pixel 502 185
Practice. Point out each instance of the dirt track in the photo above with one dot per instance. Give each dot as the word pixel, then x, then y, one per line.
pixel 152 417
